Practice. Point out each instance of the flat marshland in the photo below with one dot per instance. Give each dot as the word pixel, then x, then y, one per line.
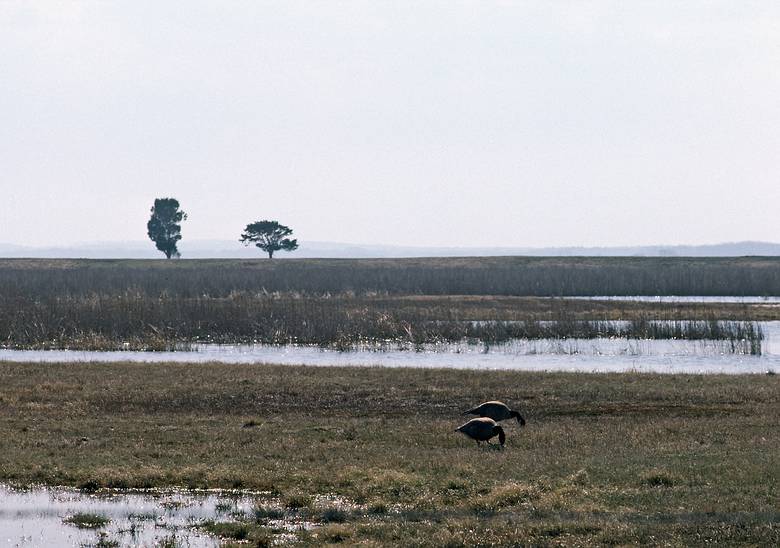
pixel 529 276
pixel 157 305
pixel 369 455
pixel 604 459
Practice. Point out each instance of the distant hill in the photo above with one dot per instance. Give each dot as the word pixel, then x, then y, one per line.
pixel 218 249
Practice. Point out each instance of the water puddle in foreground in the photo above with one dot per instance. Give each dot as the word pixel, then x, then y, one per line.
pixel 41 517
pixel 600 355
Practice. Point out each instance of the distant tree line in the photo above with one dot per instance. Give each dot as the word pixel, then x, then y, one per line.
pixel 164 229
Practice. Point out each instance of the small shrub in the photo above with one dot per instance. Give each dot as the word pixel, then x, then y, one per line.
pixel 297 500
pixel 117 483
pixel 89 486
pixel 104 541
pixel 456 485
pixel 555 531
pixel 224 507
pixel 268 512
pixel 227 529
pixel 246 534
pixel 657 478
pixel 86 520
pixel 261 539
pixel 379 508
pixel 335 533
pixel 334 515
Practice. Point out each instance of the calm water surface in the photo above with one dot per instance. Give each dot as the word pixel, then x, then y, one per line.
pixel 584 355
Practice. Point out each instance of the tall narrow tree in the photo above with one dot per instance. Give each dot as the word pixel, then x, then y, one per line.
pixel 164 226
pixel 269 236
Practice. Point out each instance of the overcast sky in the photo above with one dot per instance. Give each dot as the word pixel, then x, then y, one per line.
pixel 439 124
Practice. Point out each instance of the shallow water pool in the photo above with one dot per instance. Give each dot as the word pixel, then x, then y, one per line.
pixel 37 517
pixel 582 355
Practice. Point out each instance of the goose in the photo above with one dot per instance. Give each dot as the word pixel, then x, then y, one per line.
pixel 482 429
pixel 496 410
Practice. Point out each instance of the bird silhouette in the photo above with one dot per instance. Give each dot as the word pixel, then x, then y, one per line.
pixel 483 429
pixel 496 410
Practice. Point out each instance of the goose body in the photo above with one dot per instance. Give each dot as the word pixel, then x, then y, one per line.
pixel 496 410
pixel 482 429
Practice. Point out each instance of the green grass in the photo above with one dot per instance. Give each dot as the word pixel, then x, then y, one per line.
pixel 604 459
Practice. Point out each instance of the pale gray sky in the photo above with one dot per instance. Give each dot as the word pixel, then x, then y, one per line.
pixel 432 123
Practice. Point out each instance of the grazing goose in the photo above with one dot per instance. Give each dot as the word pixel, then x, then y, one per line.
pixel 496 410
pixel 483 429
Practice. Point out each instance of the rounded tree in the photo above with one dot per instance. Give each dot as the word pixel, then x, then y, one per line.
pixel 164 226
pixel 269 236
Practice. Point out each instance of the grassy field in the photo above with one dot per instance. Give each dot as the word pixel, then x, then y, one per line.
pixel 605 459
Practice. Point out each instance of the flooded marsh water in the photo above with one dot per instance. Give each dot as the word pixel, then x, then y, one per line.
pixel 582 355
pixel 39 517
pixel 45 516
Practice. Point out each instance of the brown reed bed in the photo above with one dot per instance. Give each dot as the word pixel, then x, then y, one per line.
pixel 135 321
pixel 156 305
pixel 520 276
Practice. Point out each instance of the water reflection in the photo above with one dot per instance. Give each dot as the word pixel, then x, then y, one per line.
pixel 584 355
pixel 39 517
